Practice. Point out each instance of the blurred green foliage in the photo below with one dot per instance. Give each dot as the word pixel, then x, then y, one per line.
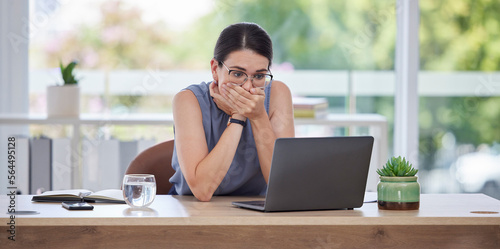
pixel 460 35
pixel 322 34
pixel 319 34
pixel 120 41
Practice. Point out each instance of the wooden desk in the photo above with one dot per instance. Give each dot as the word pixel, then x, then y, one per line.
pixel 443 221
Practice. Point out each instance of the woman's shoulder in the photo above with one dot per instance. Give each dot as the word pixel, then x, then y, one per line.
pixel 281 98
pixel 184 97
pixel 199 89
pixel 279 90
pixel 193 93
pixel 279 86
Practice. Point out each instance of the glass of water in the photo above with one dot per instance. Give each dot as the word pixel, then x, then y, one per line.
pixel 139 190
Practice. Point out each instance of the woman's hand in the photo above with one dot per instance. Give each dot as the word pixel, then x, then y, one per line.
pixel 220 101
pixel 249 104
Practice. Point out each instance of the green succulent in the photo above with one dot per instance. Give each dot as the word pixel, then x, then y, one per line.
pixel 67 73
pixel 397 166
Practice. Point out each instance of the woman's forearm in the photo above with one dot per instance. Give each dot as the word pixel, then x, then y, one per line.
pixel 264 137
pixel 210 171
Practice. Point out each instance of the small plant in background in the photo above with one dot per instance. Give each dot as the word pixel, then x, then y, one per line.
pixel 397 166
pixel 67 73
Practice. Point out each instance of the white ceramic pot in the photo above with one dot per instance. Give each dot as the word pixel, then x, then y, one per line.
pixel 63 101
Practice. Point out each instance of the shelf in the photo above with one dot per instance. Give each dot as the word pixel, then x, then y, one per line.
pixel 344 120
pixel 376 123
pixel 167 119
pixel 90 119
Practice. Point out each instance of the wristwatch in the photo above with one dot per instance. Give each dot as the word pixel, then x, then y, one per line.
pixel 236 121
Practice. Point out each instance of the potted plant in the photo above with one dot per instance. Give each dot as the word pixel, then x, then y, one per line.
pixel 398 188
pixel 64 100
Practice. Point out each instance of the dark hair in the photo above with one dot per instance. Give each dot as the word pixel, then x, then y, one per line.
pixel 242 36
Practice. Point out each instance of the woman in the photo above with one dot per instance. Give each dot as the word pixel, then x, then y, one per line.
pixel 225 129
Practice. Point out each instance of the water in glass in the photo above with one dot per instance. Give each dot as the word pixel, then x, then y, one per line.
pixel 139 190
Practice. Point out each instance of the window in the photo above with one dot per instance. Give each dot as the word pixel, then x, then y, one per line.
pixel 459 96
pixel 134 56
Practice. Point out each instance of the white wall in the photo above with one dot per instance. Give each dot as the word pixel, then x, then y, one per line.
pixel 14 39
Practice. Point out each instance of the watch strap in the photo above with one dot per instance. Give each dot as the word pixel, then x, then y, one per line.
pixel 237 121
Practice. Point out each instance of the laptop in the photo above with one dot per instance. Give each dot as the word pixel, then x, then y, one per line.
pixel 316 174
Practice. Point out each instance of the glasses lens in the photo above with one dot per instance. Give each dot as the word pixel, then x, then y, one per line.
pixel 261 80
pixel 258 80
pixel 237 77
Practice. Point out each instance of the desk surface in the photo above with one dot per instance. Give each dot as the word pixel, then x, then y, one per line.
pixel 443 221
pixel 459 209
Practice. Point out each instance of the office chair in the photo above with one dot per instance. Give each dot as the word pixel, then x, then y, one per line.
pixel 155 160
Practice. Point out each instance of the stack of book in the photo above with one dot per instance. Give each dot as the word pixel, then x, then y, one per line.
pixel 310 107
pixel 44 163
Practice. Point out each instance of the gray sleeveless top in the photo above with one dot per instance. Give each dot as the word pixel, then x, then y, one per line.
pixel 244 176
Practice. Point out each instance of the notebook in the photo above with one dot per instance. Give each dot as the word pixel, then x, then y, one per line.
pixel 316 174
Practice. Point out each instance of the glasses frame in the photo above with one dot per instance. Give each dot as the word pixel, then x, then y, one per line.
pixel 246 78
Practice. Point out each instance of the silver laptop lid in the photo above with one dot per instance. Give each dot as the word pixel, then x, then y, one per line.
pixel 318 173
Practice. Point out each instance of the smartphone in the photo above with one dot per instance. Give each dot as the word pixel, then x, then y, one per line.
pixel 77 205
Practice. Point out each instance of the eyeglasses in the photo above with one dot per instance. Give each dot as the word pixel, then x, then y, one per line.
pixel 239 78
